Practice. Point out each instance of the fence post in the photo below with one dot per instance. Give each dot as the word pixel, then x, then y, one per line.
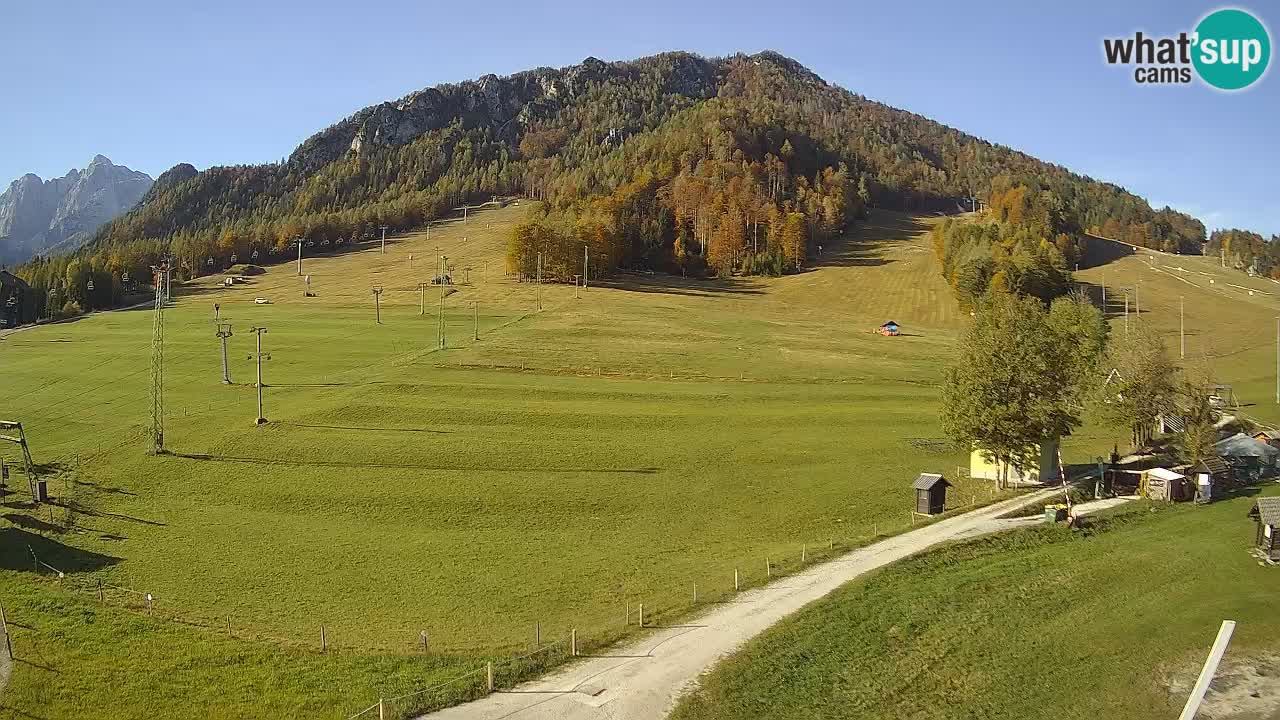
pixel 768 568
pixel 537 634
pixel 4 624
pixel 425 638
pixel 102 597
pixel 229 627
pixel 804 550
pixel 695 593
pixel 324 642
pixel 573 642
pixel 381 712
pixel 489 674
pixel 735 579
pixel 148 603
pixel 641 614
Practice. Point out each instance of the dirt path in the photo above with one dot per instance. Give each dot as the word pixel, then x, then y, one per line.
pixel 643 679
pixel 6 666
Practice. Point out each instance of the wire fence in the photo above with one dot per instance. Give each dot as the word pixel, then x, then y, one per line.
pixel 499 672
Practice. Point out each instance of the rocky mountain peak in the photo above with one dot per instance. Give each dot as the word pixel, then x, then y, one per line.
pixel 39 216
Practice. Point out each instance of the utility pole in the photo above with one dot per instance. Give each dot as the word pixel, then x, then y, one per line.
pixel 1182 329
pixel 224 332
pixel 299 241
pixel 157 364
pixel 384 238
pixel 377 303
pixel 444 264
pixel 260 356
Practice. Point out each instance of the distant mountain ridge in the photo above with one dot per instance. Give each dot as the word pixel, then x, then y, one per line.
pixel 59 215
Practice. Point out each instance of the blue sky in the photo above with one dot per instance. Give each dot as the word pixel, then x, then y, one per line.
pixel 154 83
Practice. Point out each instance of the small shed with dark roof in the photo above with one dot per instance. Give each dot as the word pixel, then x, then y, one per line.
pixel 1266 511
pixel 931 493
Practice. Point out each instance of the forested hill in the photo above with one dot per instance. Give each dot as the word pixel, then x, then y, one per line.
pixel 645 150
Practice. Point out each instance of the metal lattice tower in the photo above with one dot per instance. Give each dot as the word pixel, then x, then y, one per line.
pixel 157 364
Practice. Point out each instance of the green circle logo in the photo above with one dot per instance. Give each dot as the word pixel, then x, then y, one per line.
pixel 1232 49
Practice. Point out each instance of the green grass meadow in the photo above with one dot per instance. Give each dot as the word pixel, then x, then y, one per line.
pixel 1046 622
pixel 615 448
pixel 619 446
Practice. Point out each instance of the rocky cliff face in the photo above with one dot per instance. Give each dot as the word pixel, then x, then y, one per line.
pixel 490 101
pixel 38 216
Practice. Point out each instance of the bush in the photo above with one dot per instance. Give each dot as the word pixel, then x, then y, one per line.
pixel 70 308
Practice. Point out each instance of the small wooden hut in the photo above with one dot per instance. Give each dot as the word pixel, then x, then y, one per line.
pixel 1266 511
pixel 931 493
pixel 1164 484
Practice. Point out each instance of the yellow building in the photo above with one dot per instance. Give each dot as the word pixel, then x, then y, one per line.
pixel 981 465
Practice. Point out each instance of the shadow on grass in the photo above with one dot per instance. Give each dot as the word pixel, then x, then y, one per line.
pixel 866 244
pixel 375 429
pixel 206 457
pixel 1101 251
pixel 86 510
pixel 672 285
pixel 17 545
pixel 103 488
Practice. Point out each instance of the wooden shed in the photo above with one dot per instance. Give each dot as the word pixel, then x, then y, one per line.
pixel 931 493
pixel 1266 511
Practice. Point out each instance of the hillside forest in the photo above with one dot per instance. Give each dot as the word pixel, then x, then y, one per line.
pixel 744 164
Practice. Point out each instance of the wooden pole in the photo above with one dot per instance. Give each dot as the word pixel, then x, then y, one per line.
pixel 1208 671
pixel 102 596
pixel 537 634
pixel 382 713
pixel 426 647
pixel 768 568
pixel 695 593
pixel 4 624
pixel 641 614
pixel 324 642
pixel 735 579
pixel 488 668
pixel 803 553
pixel 573 642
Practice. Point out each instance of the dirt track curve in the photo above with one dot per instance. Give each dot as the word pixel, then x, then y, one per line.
pixel 642 680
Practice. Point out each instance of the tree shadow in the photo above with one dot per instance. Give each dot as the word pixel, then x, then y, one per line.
pixel 865 245
pixel 31 522
pixel 17 545
pixel 1100 251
